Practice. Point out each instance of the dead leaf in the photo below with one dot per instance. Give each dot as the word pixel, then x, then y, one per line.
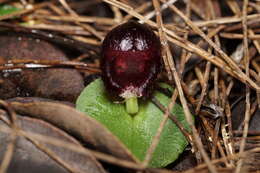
pixel 29 158
pixel 56 83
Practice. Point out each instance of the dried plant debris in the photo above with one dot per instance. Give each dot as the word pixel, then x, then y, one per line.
pixel 51 50
pixel 33 153
pixel 37 99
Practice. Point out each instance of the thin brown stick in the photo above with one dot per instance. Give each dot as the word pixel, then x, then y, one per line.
pixel 7 157
pixel 247 62
pixel 229 119
pixel 173 118
pixel 239 36
pixel 85 19
pixel 55 9
pixel 199 75
pixel 256 43
pixel 238 26
pixel 87 40
pixel 163 7
pixel 210 35
pixel 234 7
pixel 184 57
pixel 85 26
pixel 226 20
pixel 197 10
pixel 26 63
pixel 140 9
pixel 204 87
pixel 257 46
pixel 156 138
pixel 72 30
pixel 226 134
pixel 256 66
pixel 13 136
pixel 117 14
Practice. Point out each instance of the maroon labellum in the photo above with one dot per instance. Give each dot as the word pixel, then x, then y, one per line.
pixel 131 60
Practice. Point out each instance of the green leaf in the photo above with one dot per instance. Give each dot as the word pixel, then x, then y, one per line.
pixel 136 131
pixel 7 9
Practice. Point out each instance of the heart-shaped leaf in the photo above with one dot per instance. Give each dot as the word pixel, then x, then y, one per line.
pixel 137 131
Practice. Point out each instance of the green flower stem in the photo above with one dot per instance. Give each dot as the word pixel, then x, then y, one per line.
pixel 132 105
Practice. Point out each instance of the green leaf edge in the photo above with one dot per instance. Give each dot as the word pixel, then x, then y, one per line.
pixel 7 9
